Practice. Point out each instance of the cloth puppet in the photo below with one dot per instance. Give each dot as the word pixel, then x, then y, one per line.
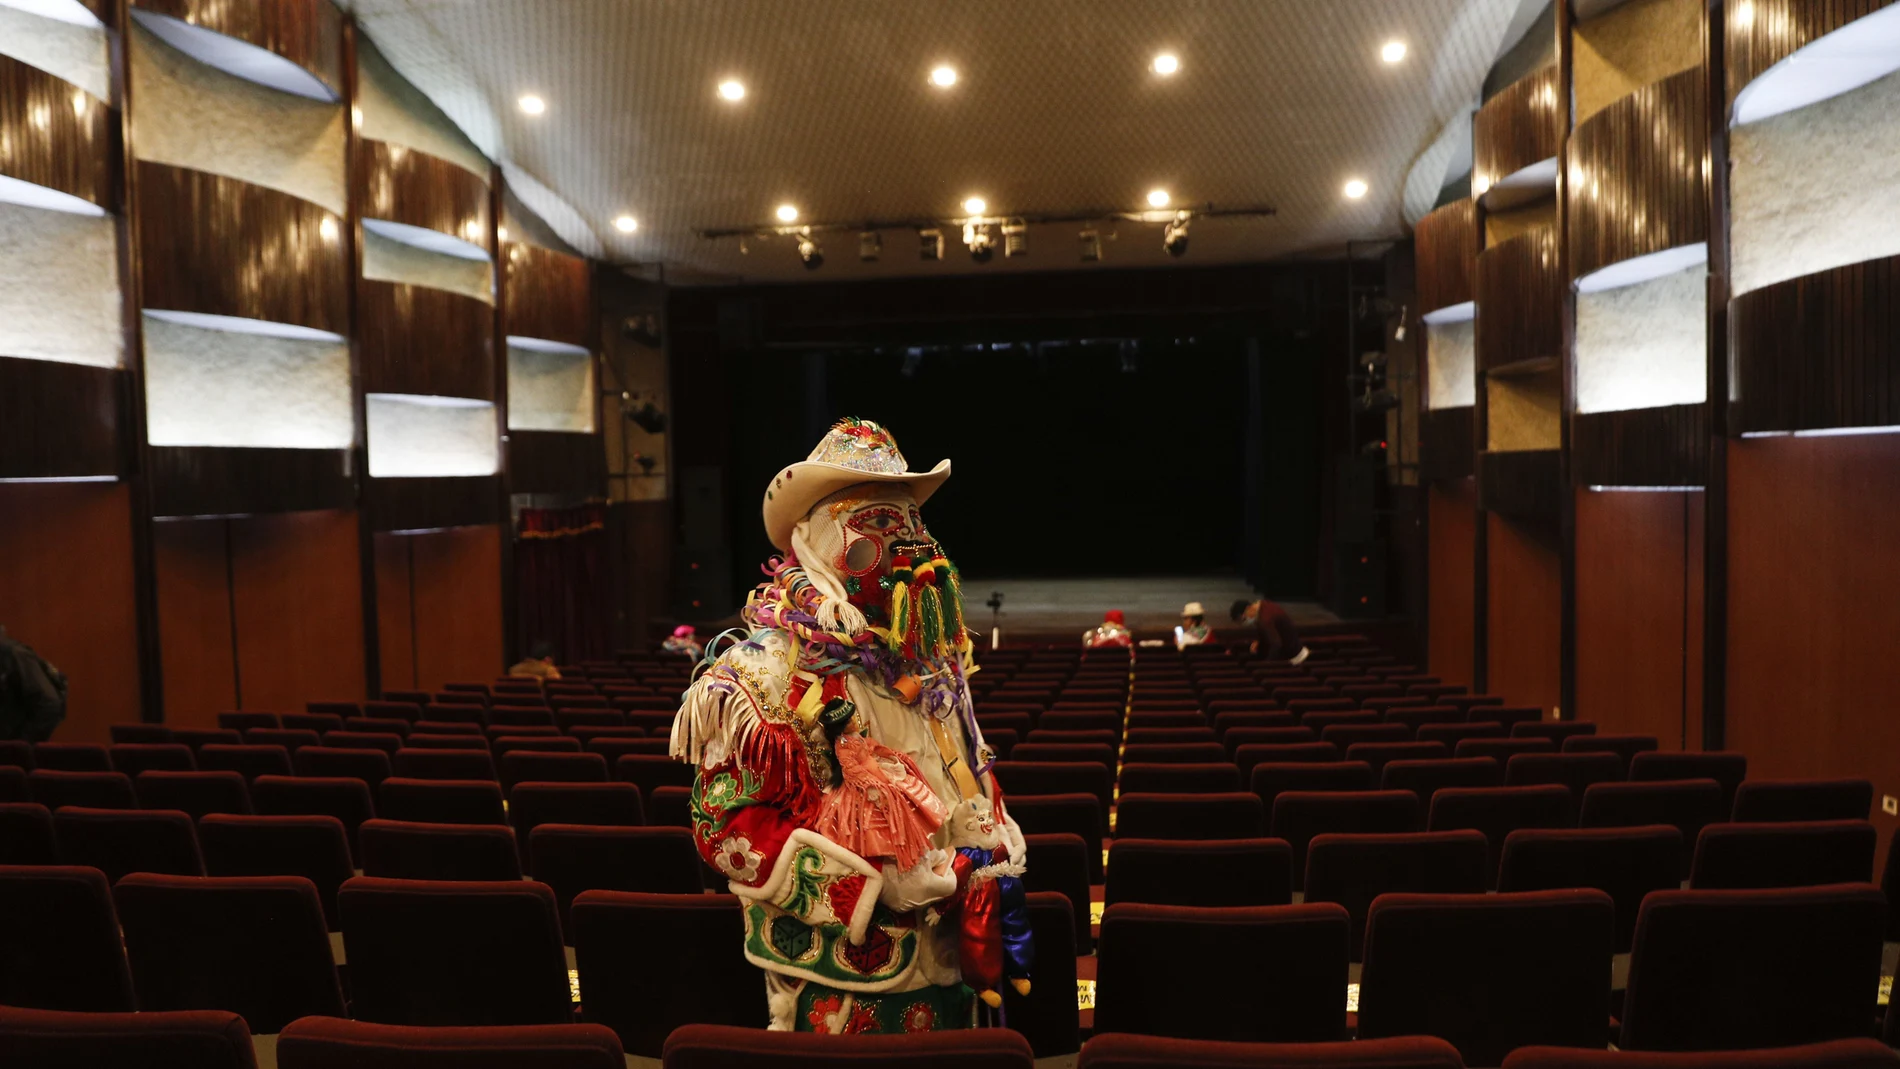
pixel 1112 632
pixel 842 784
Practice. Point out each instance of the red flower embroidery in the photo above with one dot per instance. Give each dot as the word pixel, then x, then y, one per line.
pixel 921 1017
pixel 821 1009
pixel 863 1018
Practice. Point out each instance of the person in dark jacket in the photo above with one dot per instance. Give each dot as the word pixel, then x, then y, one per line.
pixel 32 692
pixel 1278 639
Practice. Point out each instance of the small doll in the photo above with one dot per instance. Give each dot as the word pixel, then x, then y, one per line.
pixel 879 804
pixel 989 908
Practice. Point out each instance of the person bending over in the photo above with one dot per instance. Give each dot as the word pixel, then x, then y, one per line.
pixel 1277 638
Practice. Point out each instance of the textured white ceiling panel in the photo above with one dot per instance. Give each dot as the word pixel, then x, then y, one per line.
pixel 67 50
pixel 1277 102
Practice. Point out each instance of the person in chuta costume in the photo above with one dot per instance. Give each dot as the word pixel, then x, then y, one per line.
pixel 843 785
pixel 1113 632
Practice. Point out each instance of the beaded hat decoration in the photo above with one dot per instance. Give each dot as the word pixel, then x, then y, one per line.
pixel 852 452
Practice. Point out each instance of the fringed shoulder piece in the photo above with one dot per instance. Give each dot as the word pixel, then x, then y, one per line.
pixel 744 689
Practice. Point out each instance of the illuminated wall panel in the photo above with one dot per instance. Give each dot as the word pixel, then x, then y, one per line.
pixel 393 110
pixel 431 436
pixel 1523 412
pixel 67 50
pixel 1643 346
pixel 1631 46
pixel 191 115
pixel 1451 358
pixel 1816 187
pixel 394 261
pixel 550 391
pixel 215 388
pixel 59 287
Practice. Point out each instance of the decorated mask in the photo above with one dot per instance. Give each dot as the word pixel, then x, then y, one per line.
pixel 868 547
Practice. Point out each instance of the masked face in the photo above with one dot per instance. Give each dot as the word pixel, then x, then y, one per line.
pixel 894 572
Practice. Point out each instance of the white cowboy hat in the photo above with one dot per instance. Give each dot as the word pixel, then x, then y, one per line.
pixel 853 452
pixel 1193 608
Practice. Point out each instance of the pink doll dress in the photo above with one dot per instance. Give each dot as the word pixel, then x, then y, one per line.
pixel 883 808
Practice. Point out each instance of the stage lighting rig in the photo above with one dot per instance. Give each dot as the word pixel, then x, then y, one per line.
pixel 809 253
pixel 870 245
pixel 1091 243
pixel 1015 238
pixel 981 238
pixel 930 244
pixel 1174 237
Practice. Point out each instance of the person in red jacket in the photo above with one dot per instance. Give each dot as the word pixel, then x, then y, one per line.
pixel 1278 638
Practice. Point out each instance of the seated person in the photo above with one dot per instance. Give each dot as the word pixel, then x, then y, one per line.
pixel 684 640
pixel 538 664
pixel 1193 630
pixel 1112 632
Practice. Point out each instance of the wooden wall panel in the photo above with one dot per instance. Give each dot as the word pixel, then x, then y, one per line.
pixel 1776 28
pixel 416 504
pixel 1445 440
pixel 221 246
pixel 1517 127
pixel 1665 446
pixel 418 340
pixel 299 608
pixel 195 630
pixel 1813 608
pixel 66 591
pixel 54 134
pixel 308 33
pixel 556 462
pixel 402 185
pixel 395 629
pixel 458 633
pixel 1635 654
pixel 1523 484
pixel 1819 351
pixel 549 295
pixel 1639 174
pixel 1520 300
pixel 58 419
pixel 1452 561
pixel 218 481
pixel 1446 255
pixel 1523 614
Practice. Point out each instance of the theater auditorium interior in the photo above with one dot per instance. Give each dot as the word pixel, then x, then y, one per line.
pixel 1419 586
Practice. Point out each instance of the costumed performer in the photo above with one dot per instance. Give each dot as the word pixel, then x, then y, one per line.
pixel 1193 630
pixel 1112 632
pixel 683 640
pixel 842 784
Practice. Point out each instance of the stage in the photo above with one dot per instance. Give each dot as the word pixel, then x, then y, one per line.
pixel 1048 610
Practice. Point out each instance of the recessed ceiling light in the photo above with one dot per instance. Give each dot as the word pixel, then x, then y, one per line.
pixel 943 77
pixel 1157 198
pixel 732 89
pixel 626 224
pixel 1355 189
pixel 1393 52
pixel 532 105
pixel 976 205
pixel 1166 63
pixel 787 213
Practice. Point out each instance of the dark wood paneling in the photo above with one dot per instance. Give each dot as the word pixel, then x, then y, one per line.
pixel 220 246
pixel 1524 610
pixel 418 340
pixel 1519 126
pixel 1520 300
pixel 1445 252
pixel 308 33
pixel 1639 174
pixel 1451 557
pixel 1813 608
pixel 1818 351
pixel 1666 446
pixel 554 462
pixel 1635 661
pixel 1445 443
pixel 66 590
pixel 298 605
pixel 197 637
pixel 405 186
pixel 208 481
pixel 1774 29
pixel 58 419
pixel 1524 485
pixel 549 295
pixel 421 504
pixel 54 134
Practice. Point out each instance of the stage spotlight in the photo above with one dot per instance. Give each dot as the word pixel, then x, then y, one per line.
pixel 930 244
pixel 809 253
pixel 1174 237
pixel 1374 448
pixel 981 238
pixel 913 360
pixel 1015 238
pixel 1091 242
pixel 1373 402
pixel 870 245
pixel 1131 357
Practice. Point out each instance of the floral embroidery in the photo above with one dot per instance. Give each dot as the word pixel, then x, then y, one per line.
pixel 738 860
pixel 863 1018
pixel 822 1009
pixel 719 793
pixel 921 1017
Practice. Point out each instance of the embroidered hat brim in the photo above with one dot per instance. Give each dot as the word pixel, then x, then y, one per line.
pixel 800 486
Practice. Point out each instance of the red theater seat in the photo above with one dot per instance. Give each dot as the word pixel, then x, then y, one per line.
pixel 523 765
pixel 152 734
pixel 133 758
pixel 1380 754
pixel 1577 771
pixel 1807 854
pixel 387 741
pixel 650 772
pixel 1230 815
pixel 604 804
pixel 1222 872
pixel 72 757
pixel 253 945
pixel 1624 863
pixel 1047 1017
pixel 1496 812
pixel 444 764
pixel 1453 734
pixel 1839 1054
pixel 1062 867
pixel 316 848
pixel 238 721
pixel 726 1047
pixel 1210 778
pixel 408 850
pixel 62 949
pixel 348 800
pixel 193 793
pixel 429 953
pixel 1152 1052
pixel 370 765
pixel 1502 750
pixel 1147 955
pixel 122 841
pixel 444 801
pixel 572 858
pixel 247 761
pixel 1353 870
pixel 26 834
pixel 1489 973
pixel 1725 768
pixel 193 1039
pixel 1763 800
pixel 619 935
pixel 330 1043
pixel 1623 746
pixel 197 737
pixel 1298 816
pixel 292 740
pixel 1078 814
pixel 1054 777
pixel 552 742
pixel 1688 804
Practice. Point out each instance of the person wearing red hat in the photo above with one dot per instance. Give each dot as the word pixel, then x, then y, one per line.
pixel 1112 632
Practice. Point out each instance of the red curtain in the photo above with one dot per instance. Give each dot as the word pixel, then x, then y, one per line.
pixel 561 582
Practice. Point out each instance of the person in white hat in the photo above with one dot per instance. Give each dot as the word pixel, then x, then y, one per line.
pixel 1193 630
pixel 842 783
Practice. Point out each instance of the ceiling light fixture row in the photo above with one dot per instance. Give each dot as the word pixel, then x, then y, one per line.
pixel 984 233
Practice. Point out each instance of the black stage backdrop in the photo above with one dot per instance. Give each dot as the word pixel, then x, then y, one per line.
pixel 1068 460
